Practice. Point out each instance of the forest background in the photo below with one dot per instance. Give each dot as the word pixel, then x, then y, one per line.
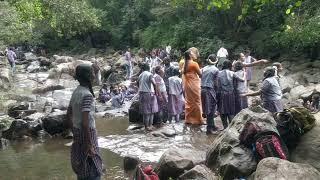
pixel 271 28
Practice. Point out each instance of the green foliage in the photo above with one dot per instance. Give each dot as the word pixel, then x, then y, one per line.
pixel 262 25
pixel 12 28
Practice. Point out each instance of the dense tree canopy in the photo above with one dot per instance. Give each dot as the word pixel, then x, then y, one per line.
pixel 266 26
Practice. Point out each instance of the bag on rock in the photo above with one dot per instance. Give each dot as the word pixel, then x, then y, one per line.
pixel 248 133
pixel 304 116
pixel 289 128
pixel 145 173
pixel 269 144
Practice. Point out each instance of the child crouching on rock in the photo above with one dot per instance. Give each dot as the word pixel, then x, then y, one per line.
pixel 147 96
pixel 176 99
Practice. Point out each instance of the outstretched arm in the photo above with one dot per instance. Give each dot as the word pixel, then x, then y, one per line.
pixel 257 93
pixel 256 63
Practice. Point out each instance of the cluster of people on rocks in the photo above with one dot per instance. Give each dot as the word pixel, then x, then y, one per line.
pixel 220 87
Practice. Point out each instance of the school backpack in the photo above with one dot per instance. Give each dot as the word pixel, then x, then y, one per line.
pixel 264 143
pixel 269 144
pixel 304 116
pixel 145 173
pixel 289 128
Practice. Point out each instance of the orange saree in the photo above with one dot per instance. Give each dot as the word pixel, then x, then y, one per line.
pixel 191 83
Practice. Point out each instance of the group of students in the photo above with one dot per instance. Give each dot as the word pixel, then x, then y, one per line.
pixel 117 94
pixel 219 88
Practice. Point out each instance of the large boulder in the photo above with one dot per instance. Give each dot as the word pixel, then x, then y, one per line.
pixel 227 155
pixel 18 129
pixel 20 110
pixel 298 91
pixel 174 162
pixel 34 67
pixel 199 172
pixel 62 98
pixel 308 148
pixel 29 56
pixel 134 113
pixel 62 59
pixel 5 75
pixel 54 123
pixel 287 83
pixel 121 61
pixel 5 122
pixel 275 168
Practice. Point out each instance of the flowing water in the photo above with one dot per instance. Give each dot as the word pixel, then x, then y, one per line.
pixel 50 159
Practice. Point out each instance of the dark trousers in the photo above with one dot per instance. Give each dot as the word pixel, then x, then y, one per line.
pixel 210 122
pixel 226 119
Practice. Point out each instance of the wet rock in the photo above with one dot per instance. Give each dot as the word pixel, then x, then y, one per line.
pixel 164 132
pixel 199 172
pixel 296 92
pixel 54 123
pixel 307 150
pixel 5 122
pixel 174 162
pixel 9 103
pixel 312 89
pixel 29 56
pixel 34 67
pixel 134 113
pixel 121 62
pixel 62 59
pixel 20 110
pixel 17 130
pixel 5 75
pixel 34 117
pixel 135 127
pixel 287 83
pixel 4 143
pixel 62 97
pixel 227 155
pixel 274 168
pixel 130 163
pixel 44 61
pixel 46 89
pixel 42 136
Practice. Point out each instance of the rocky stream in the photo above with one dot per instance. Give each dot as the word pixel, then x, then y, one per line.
pixel 34 102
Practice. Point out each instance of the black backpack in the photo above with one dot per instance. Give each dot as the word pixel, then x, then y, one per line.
pixel 289 128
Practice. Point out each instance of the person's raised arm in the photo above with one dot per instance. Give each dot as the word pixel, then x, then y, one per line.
pixel 257 93
pixel 256 63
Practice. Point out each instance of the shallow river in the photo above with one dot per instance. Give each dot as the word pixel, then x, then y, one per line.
pixel 33 160
pixel 51 159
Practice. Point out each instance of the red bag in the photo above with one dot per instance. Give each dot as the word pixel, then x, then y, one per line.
pixel 146 173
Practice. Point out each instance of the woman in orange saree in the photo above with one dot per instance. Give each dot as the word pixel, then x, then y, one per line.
pixel 191 83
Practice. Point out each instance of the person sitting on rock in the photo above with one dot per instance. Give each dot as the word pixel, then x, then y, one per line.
pixel 104 94
pixel 315 100
pixel 117 99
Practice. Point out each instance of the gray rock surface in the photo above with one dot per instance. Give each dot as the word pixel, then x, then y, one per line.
pixel 54 123
pixel 308 149
pixel 227 155
pixel 174 162
pixel 199 172
pixel 274 169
